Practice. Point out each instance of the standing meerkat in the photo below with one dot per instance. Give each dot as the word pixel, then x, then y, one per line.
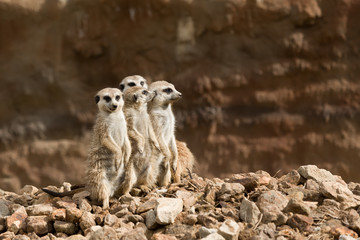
pixel 142 168
pixel 132 81
pixel 163 122
pixel 186 159
pixel 110 147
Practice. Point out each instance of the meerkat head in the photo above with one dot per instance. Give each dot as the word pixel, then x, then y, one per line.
pixel 132 81
pixel 137 96
pixel 165 93
pixel 109 100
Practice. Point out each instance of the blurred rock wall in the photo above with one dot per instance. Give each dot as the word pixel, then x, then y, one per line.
pixel 267 84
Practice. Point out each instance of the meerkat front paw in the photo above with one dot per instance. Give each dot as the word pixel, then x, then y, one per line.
pixel 117 160
pixel 145 189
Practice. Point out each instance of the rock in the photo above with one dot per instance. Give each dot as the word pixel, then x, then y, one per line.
pixel 151 220
pixel 64 227
pixel 146 206
pixel 312 185
pixel 313 172
pixel 189 199
pixel 105 232
pixel 76 237
pixel 213 236
pixel 190 219
pixel 167 209
pixel 297 206
pixel 73 214
pixel 87 220
pixel 121 213
pixel 346 237
pixel 270 204
pixel 58 214
pixel 159 236
pixel 249 212
pixel 2 224
pixel 66 204
pixel 135 218
pixel 135 234
pixel 249 181
pixel 204 231
pixel 299 221
pixel 38 224
pixel 229 230
pixel 335 190
pixel 21 237
pixel 39 210
pixel 232 189
pixel 337 229
pixel 292 177
pixel 210 194
pixel 84 205
pixel 28 189
pixel 7 235
pixel 206 220
pixel 81 196
pixel 17 220
pixel 110 220
pixel 4 209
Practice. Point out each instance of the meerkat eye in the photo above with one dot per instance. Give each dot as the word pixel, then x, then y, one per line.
pixel 117 97
pixel 142 83
pixel 145 92
pixel 132 84
pixel 121 87
pixel 168 90
pixel 107 98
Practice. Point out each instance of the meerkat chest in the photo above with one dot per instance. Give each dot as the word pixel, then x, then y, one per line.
pixel 117 128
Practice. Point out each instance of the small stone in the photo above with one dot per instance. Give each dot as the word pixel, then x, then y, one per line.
pixel 80 195
pixel 313 172
pixel 247 180
pixel 135 234
pixel 4 209
pixel 188 198
pixel 87 220
pixel 249 212
pixel 299 221
pixel 21 237
pixel 64 227
pixel 135 218
pixel 292 177
pixel 7 235
pixel 297 206
pixel 146 206
pixel 190 219
pixel 58 214
pixel 28 189
pixel 76 237
pixel 336 191
pixel 204 231
pixel 39 210
pixel 213 236
pixel 206 220
pixel 121 213
pixel 311 184
pixel 84 205
pixel 110 220
pixel 38 224
pixel 346 237
pixel 229 230
pixel 270 204
pixel 151 220
pixel 210 194
pixel 167 209
pixel 17 220
pixel 159 236
pixel 105 232
pixel 232 189
pixel 66 204
pixel 73 215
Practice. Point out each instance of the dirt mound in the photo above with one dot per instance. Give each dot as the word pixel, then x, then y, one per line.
pixel 308 203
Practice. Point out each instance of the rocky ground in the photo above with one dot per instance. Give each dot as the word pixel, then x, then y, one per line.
pixel 308 203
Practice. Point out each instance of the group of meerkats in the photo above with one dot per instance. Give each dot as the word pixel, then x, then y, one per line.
pixel 133 142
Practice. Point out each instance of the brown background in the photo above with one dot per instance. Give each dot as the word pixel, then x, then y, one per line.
pixel 267 84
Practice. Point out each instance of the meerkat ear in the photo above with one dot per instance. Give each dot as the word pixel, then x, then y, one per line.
pixel 97 99
pixel 121 87
pixel 155 92
pixel 135 98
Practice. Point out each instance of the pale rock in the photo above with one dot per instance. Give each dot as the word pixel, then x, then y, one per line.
pixel 292 177
pixel 110 220
pixel 66 204
pixel 84 205
pixel 121 213
pixel 87 220
pixel 28 189
pixel 232 189
pixel 4 209
pixel 64 227
pixel 38 224
pixel 189 199
pixel 76 237
pixel 271 203
pixel 249 212
pixel 17 220
pixel 346 237
pixel 297 206
pixel 336 191
pixel 319 175
pixel 21 237
pixel 151 220
pixel 105 232
pixel 135 234
pixel 167 209
pixel 204 231
pixel 159 236
pixel 7 235
pixel 213 236
pixel 229 230
pixel 39 210
pixel 58 214
pixel 190 219
pixel 73 214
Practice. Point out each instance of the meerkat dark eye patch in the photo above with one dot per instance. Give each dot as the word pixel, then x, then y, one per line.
pixel 135 97
pixel 121 87
pixel 117 97
pixel 97 99
pixel 132 84
pixel 168 90
pixel 145 92
pixel 142 83
pixel 107 98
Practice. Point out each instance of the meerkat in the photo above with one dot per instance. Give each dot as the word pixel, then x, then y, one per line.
pixel 142 168
pixel 186 159
pixel 163 122
pixel 132 81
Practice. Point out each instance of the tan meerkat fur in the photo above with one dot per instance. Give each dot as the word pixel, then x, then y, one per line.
pixel 132 81
pixel 185 157
pixel 110 147
pixel 163 121
pixel 142 169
